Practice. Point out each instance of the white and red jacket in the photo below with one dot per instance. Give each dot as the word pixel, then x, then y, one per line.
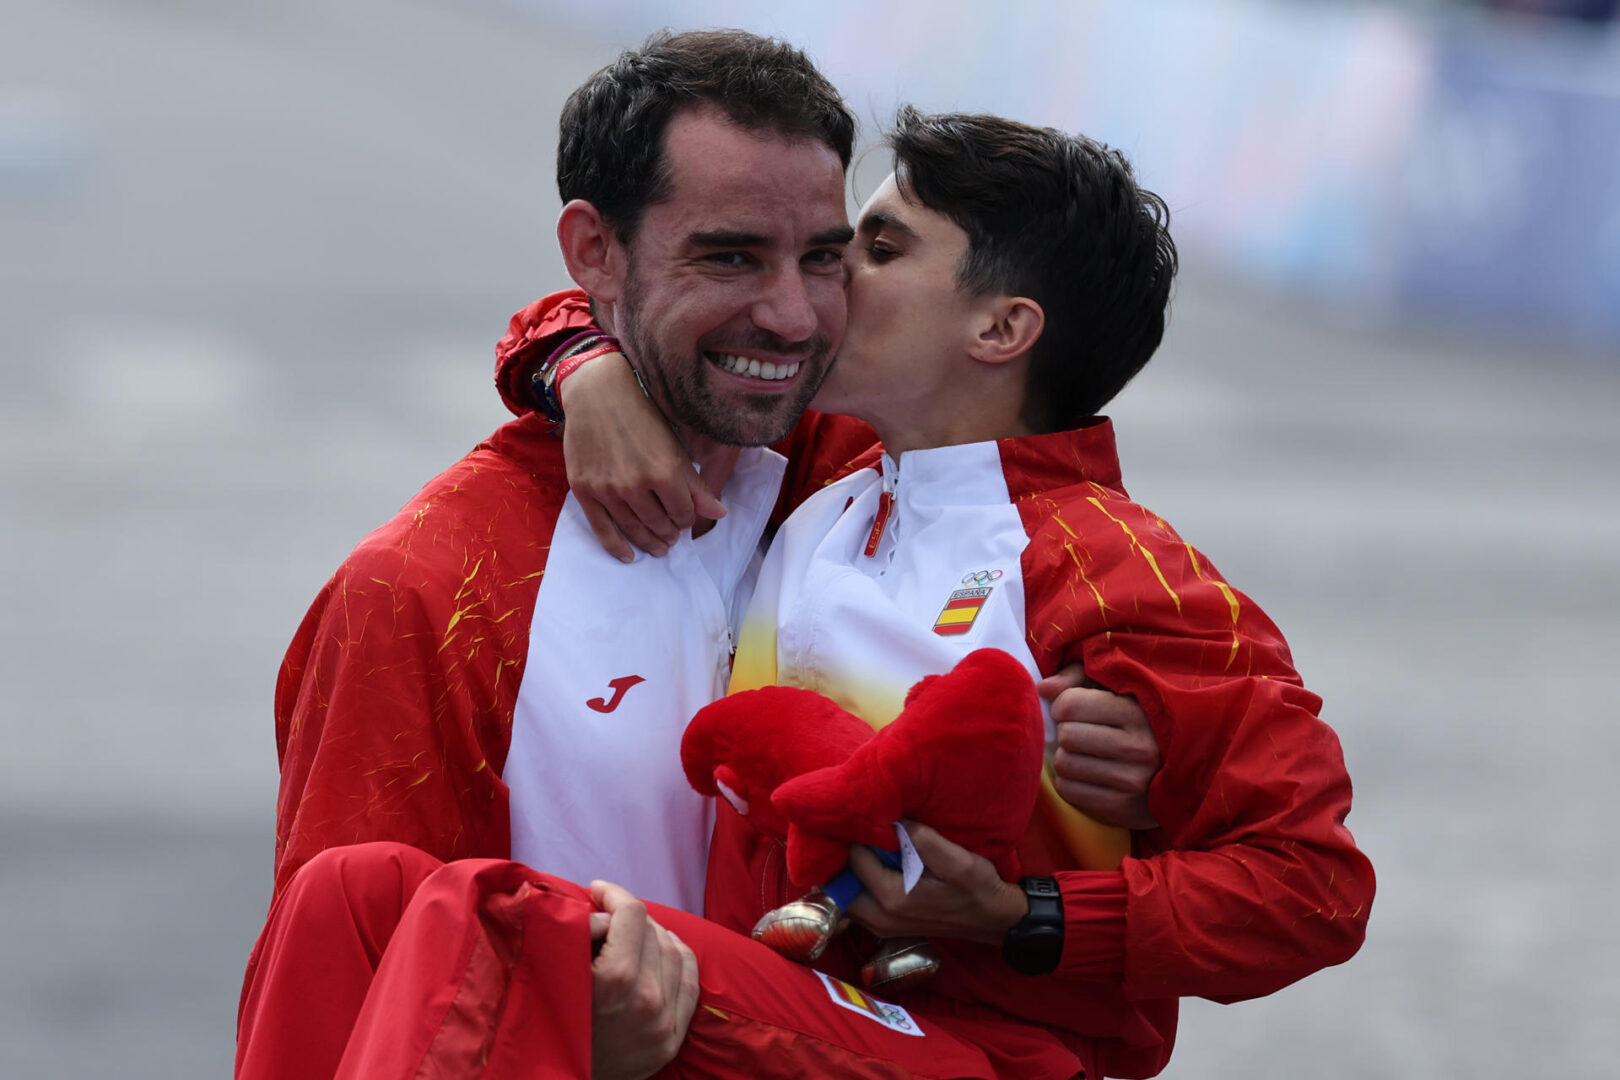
pixel 1031 545
pixel 480 679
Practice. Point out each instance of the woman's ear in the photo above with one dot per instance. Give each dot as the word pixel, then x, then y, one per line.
pixel 592 251
pixel 1007 328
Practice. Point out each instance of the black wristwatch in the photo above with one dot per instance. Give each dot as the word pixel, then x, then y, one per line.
pixel 1035 943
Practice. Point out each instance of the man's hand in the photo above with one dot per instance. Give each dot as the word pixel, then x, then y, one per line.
pixel 960 894
pixel 1106 752
pixel 632 477
pixel 644 988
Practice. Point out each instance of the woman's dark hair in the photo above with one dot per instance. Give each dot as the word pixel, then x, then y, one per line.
pixel 610 146
pixel 1060 219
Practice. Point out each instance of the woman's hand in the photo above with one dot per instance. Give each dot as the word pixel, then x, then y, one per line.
pixel 960 895
pixel 632 477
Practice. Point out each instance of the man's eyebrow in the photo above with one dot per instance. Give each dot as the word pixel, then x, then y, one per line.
pixel 719 238
pixel 878 220
pixel 736 238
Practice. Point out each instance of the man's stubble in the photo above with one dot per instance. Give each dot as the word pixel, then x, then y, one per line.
pixel 685 387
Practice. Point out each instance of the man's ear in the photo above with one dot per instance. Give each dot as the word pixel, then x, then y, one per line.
pixel 592 251
pixel 1006 328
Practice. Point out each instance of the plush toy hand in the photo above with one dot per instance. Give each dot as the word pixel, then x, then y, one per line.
pixel 964 755
pixel 745 746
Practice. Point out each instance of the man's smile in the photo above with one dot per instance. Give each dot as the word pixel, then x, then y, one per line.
pixel 753 368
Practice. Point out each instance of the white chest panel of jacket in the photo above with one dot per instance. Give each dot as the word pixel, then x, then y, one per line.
pixel 860 613
pixel 620 658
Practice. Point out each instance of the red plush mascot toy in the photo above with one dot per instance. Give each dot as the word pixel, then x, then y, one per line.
pixel 964 756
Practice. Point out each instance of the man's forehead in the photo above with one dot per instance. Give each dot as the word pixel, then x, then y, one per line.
pixel 710 159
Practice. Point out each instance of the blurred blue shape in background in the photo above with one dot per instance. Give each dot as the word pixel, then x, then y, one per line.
pixel 42 143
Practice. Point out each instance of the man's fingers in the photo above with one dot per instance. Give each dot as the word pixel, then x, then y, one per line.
pixel 1126 809
pixel 626 941
pixel 1067 677
pixel 606 532
pixel 1081 791
pixel 1093 706
pixel 882 884
pixel 1085 769
pixel 1109 743
pixel 688 988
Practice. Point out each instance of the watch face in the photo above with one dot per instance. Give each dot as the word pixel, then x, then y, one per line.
pixel 1036 951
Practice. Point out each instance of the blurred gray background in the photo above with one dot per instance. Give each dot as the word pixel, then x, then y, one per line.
pixel 254 255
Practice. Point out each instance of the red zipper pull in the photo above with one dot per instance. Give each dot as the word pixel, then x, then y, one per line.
pixel 885 504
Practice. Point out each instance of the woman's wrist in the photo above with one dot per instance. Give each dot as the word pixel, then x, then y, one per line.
pixel 546 380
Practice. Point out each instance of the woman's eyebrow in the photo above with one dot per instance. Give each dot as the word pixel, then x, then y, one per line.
pixel 879 220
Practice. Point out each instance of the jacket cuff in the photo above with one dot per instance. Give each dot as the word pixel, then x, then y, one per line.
pixel 1093 923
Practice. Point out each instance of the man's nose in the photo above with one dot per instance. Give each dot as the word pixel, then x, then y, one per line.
pixel 785 308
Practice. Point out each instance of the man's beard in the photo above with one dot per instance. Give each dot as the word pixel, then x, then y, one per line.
pixel 685 386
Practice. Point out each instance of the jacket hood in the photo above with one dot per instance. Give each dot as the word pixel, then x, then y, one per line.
pixel 531 336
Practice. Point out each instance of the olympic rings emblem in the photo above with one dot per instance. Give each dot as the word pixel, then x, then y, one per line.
pixel 982 577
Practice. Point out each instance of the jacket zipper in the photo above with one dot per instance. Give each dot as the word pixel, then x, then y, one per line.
pixel 891 484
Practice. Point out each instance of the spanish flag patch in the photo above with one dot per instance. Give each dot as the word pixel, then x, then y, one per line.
pixel 960 611
pixel 889 1015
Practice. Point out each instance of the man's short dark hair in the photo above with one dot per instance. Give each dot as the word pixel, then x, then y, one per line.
pixel 610 146
pixel 1060 219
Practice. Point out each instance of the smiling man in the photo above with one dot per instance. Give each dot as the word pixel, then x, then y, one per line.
pixel 703 178
pixel 730 287
pixel 479 679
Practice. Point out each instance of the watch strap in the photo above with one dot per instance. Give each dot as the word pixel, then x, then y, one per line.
pixel 1034 945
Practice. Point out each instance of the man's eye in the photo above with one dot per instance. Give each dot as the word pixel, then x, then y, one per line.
pixel 824 259
pixel 881 252
pixel 728 259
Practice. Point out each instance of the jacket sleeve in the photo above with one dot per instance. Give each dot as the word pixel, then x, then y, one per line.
pixel 1252 881
pixel 531 336
pixel 377 726
pixel 1257 882
pixel 394 704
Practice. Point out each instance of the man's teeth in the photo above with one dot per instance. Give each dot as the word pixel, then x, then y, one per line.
pixel 755 369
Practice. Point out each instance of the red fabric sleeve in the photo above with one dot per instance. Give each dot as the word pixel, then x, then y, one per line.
pixel 1253 881
pixel 531 336
pixel 394 703
pixel 1260 883
pixel 1094 923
